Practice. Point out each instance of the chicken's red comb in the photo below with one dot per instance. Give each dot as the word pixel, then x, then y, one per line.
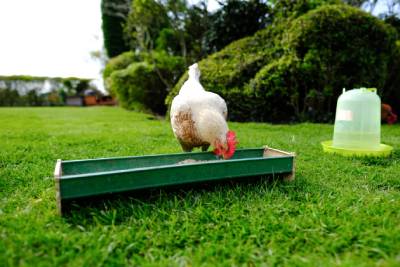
pixel 232 142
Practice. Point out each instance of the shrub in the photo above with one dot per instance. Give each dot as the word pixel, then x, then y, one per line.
pixel 144 85
pixel 137 87
pixel 169 68
pixel 394 21
pixel 296 68
pixel 236 19
pixel 391 94
pixel 233 67
pixel 120 62
pixel 117 63
pixel 9 97
pixel 339 46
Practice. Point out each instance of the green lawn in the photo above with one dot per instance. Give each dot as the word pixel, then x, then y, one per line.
pixel 338 211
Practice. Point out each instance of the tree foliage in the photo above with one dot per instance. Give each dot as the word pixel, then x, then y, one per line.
pixel 166 36
pixel 146 19
pixel 189 31
pixel 114 13
pixel 171 26
pixel 140 86
pixel 23 90
pixel 292 70
pixel 236 19
pixel 394 21
pixel 295 69
pixel 289 9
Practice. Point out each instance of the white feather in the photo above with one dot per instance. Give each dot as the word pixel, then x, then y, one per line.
pixel 208 110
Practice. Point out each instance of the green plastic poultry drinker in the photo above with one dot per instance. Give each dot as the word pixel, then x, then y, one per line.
pixel 357 129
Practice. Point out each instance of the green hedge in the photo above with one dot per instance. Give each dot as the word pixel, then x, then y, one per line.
pixel 117 63
pixel 340 47
pixel 141 81
pixel 296 68
pixel 128 85
pixel 391 94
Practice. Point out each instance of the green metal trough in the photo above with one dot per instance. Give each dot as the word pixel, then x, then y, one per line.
pixel 86 178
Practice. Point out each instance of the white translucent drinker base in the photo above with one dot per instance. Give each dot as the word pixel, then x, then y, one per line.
pixel 368 141
pixel 357 125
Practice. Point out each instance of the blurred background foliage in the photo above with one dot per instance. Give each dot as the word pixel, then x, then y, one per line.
pixel 22 90
pixel 114 14
pixel 170 35
pixel 275 61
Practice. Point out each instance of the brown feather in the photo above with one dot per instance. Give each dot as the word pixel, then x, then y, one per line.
pixel 186 131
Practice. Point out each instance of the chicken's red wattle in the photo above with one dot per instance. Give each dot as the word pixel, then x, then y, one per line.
pixel 232 142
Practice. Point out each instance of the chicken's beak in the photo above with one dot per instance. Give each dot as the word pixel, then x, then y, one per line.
pixel 224 147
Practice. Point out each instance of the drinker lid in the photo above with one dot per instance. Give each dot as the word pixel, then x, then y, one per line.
pixel 382 151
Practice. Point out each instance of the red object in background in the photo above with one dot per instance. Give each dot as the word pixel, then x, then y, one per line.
pixel 387 114
pixel 90 100
pixel 107 101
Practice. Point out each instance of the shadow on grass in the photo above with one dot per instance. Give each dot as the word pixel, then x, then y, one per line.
pixel 118 208
pixel 382 161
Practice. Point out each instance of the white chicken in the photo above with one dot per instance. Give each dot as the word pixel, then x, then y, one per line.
pixel 198 118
